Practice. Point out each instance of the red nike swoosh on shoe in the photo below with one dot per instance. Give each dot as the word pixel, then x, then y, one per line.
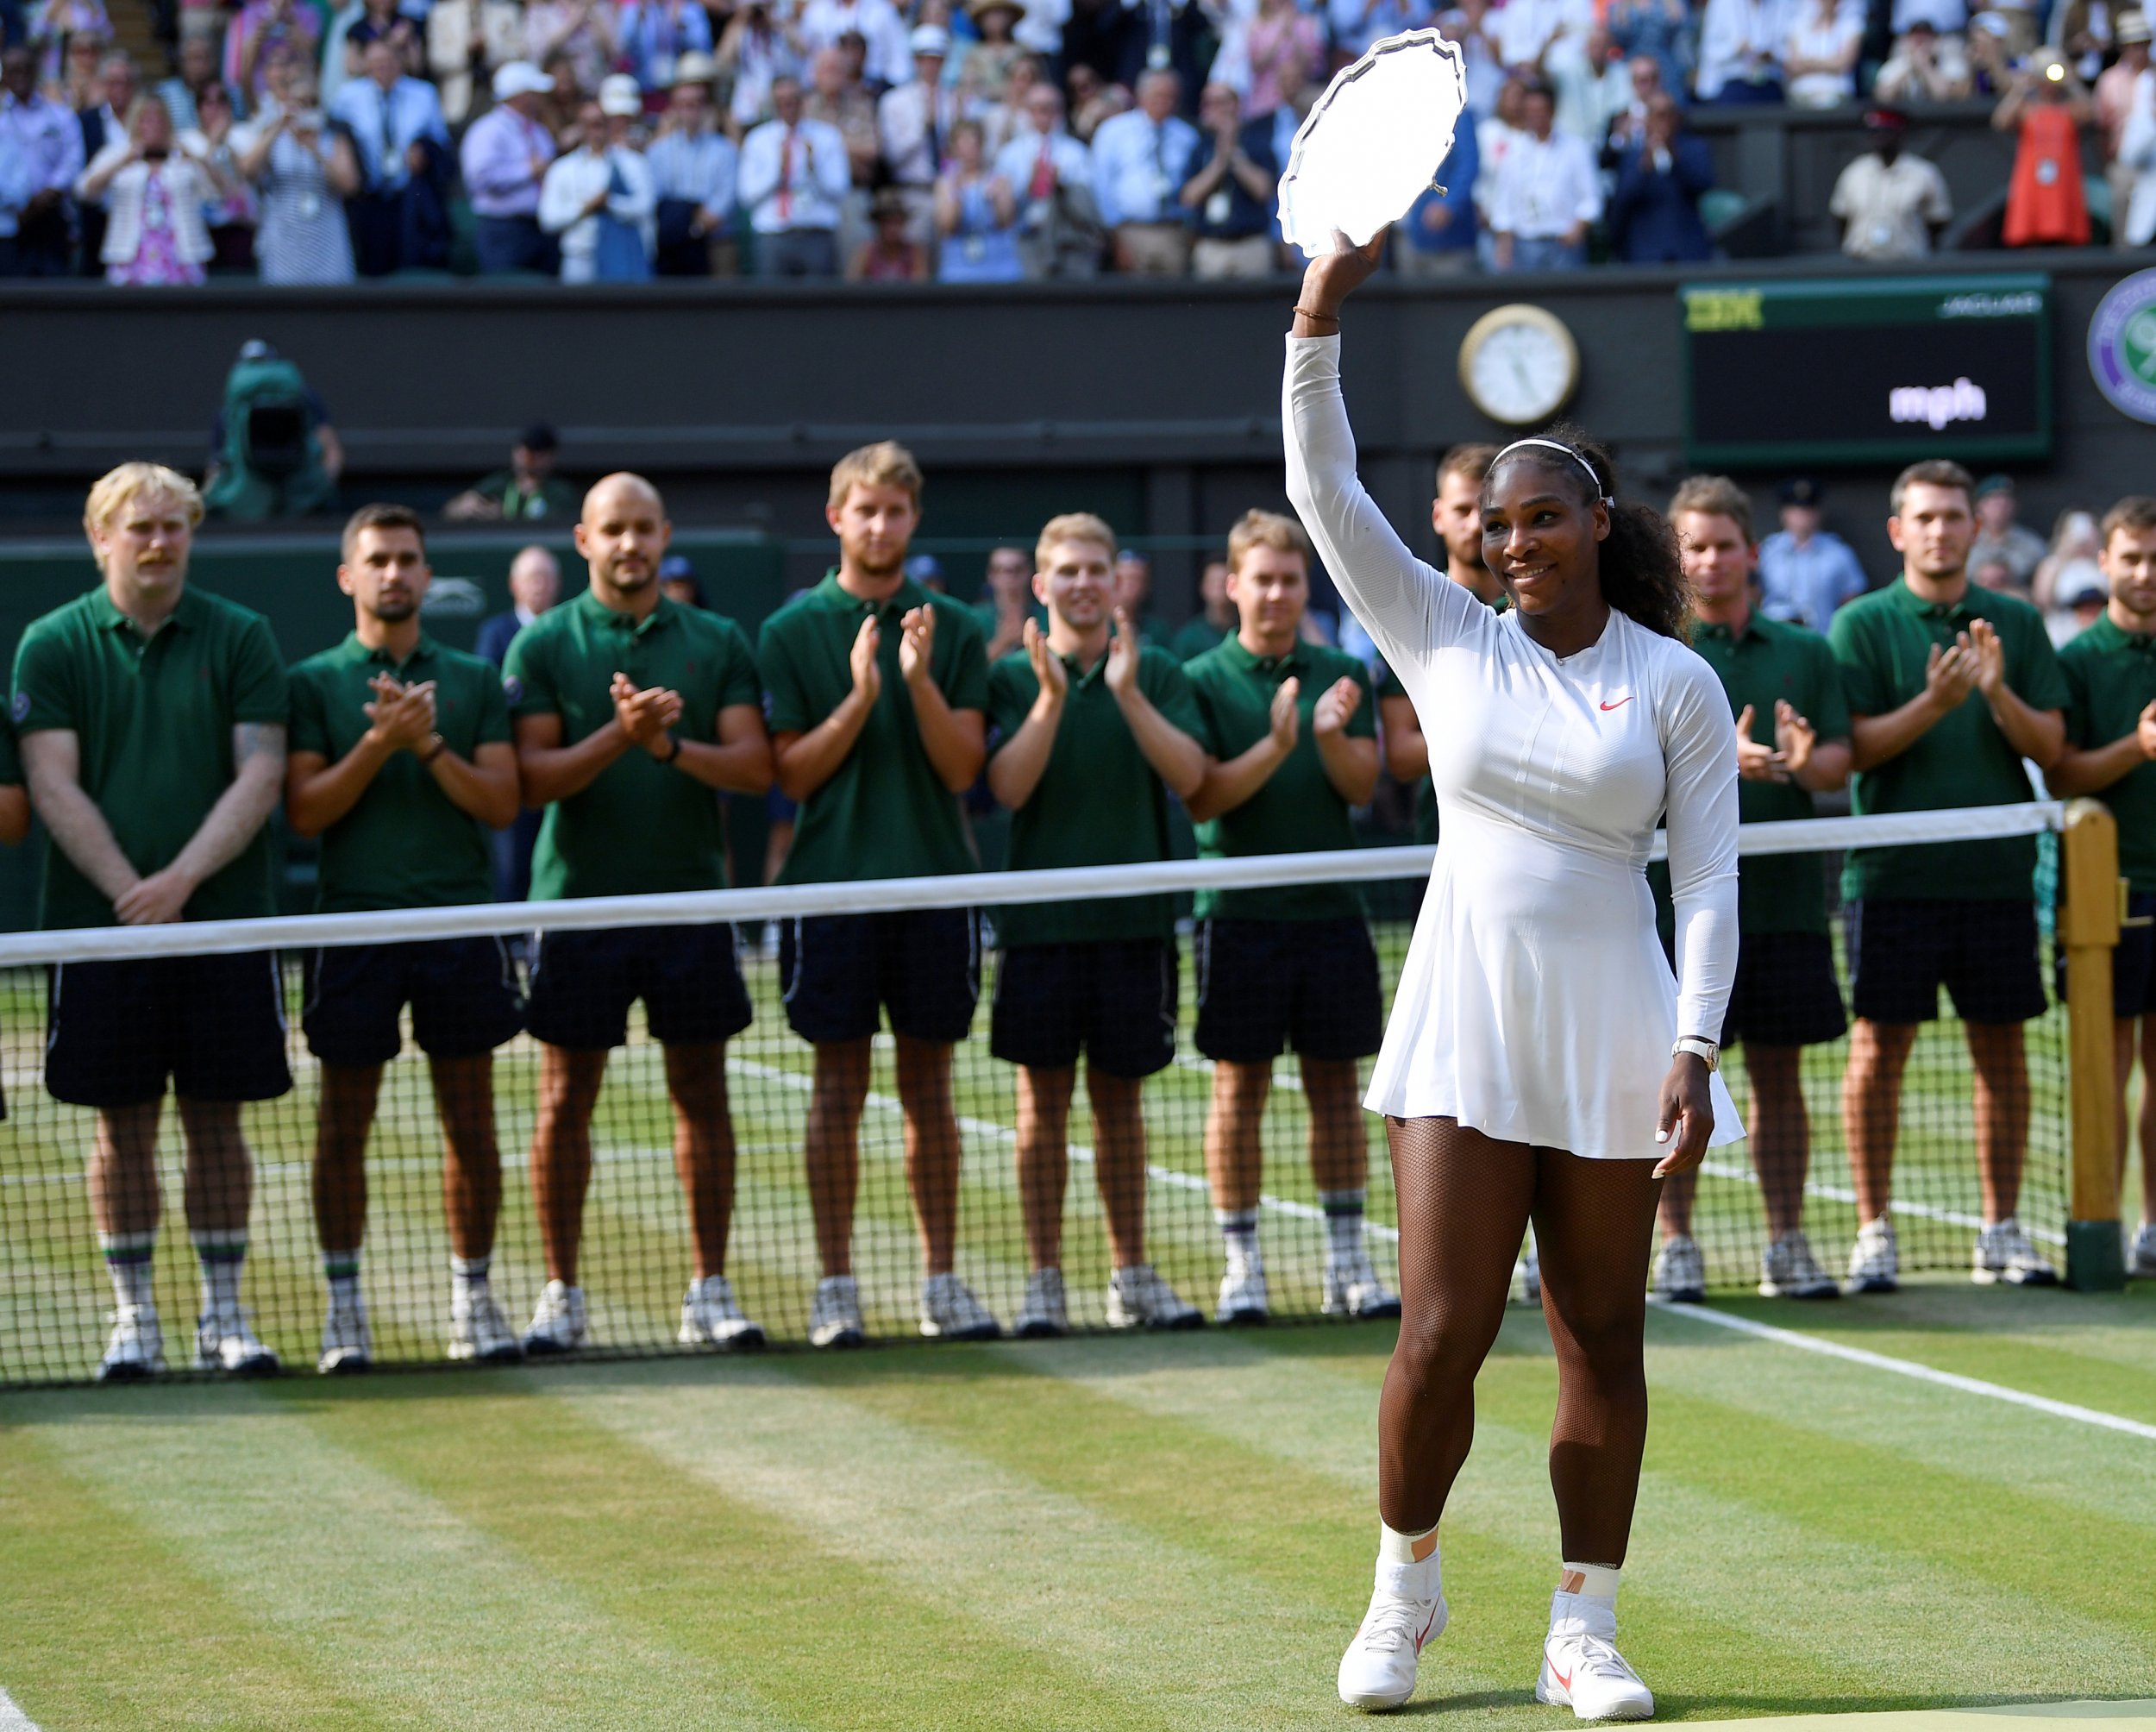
pixel 1560 1678
pixel 1425 1637
pixel 1621 703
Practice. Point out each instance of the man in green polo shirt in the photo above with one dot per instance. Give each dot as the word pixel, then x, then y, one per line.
pixel 632 713
pixel 1291 729
pixel 152 725
pixel 1134 596
pixel 1792 741
pixel 401 763
pixel 1214 622
pixel 1950 686
pixel 876 691
pixel 1090 731
pixel 1006 601
pixel 2110 671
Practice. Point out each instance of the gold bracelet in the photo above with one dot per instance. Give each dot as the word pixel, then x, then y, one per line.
pixel 1305 312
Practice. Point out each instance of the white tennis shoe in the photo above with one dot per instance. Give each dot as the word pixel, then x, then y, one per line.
pixel 1045 1314
pixel 136 1349
pixel 1874 1260
pixel 2005 1257
pixel 1527 1277
pixel 835 1313
pixel 1788 1270
pixel 1680 1271
pixel 712 1317
pixel 224 1342
pixel 950 1313
pixel 1587 1675
pixel 1242 1297
pixel 1138 1298
pixel 348 1345
pixel 477 1329
pixel 1377 1672
pixel 1352 1288
pixel 2141 1263
pixel 558 1322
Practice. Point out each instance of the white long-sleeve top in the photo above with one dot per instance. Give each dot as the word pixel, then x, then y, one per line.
pixel 573 181
pixel 1535 1004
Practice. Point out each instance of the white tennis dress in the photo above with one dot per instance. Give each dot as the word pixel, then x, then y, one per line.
pixel 1535 1005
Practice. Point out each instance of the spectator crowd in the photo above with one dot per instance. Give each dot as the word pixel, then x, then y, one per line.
pixel 983 141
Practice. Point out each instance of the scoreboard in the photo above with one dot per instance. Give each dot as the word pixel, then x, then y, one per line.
pixel 1867 370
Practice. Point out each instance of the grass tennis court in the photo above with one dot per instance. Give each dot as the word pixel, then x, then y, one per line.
pixel 1160 1533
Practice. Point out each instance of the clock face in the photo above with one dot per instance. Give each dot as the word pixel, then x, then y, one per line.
pixel 1520 371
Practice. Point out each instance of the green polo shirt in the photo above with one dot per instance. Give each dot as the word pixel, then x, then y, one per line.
pixel 885 813
pixel 643 826
pixel 1099 802
pixel 1767 661
pixel 1195 636
pixel 2111 679
pixel 1881 641
pixel 154 718
pixel 405 844
pixel 1298 811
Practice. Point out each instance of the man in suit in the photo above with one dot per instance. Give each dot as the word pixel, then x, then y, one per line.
pixel 534 583
pixel 102 121
pixel 1655 209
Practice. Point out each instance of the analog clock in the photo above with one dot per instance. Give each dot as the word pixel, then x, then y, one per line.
pixel 1518 365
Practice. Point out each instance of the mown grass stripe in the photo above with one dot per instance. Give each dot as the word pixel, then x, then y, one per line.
pixel 1910 1368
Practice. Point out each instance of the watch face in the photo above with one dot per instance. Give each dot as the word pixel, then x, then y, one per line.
pixel 1520 372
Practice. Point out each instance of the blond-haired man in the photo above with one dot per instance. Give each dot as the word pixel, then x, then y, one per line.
pixel 876 691
pixel 152 725
pixel 1091 730
pixel 1292 730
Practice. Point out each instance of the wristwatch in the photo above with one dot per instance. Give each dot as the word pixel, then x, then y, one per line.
pixel 1698 1049
pixel 676 752
pixel 436 746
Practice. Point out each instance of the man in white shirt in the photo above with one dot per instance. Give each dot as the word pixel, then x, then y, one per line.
pixel 1140 161
pixel 1051 175
pixel 1892 205
pixel 694 167
pixel 1529 30
pixel 913 123
pixel 1741 51
pixel 46 144
pixel 598 197
pixel 1546 193
pixel 793 178
pixel 398 135
pixel 889 62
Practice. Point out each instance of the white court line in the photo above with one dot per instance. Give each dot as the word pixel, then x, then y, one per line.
pixel 13 1719
pixel 1910 1368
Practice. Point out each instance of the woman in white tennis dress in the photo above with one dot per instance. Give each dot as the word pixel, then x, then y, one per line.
pixel 1540 1062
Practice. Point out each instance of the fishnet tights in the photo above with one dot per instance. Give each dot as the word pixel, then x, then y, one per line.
pixel 1465 1201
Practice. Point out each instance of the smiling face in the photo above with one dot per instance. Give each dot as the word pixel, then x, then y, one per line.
pixel 1270 588
pixel 1077 581
pixel 1540 536
pixel 1718 558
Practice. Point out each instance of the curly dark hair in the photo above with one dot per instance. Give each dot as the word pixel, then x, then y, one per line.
pixel 1642 574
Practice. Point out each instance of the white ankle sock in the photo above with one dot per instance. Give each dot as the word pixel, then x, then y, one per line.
pixel 1342 1223
pixel 1399 1571
pixel 1238 1233
pixel 128 1261
pixel 221 1255
pixel 470 1271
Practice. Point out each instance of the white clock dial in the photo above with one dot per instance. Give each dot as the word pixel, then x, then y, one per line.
pixel 1519 366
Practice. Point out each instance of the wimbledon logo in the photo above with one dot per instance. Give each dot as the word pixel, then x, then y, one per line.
pixel 2122 346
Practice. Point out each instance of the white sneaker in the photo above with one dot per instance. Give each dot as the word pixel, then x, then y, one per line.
pixel 223 1342
pixel 477 1330
pixel 2004 1256
pixel 950 1313
pixel 1875 1261
pixel 1139 1299
pixel 2141 1263
pixel 1242 1294
pixel 1377 1672
pixel 1044 1313
pixel 557 1322
pixel 1788 1270
pixel 835 1313
pixel 1352 1288
pixel 136 1349
pixel 711 1317
pixel 1587 1675
pixel 1526 1277
pixel 348 1345
pixel 1680 1271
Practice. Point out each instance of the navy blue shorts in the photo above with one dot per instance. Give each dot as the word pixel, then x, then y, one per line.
pixel 462 993
pixel 1902 951
pixel 1785 993
pixel 215 1025
pixel 1115 999
pixel 841 972
pixel 582 985
pixel 2132 963
pixel 1266 984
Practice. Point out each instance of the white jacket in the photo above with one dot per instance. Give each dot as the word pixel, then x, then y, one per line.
pixel 187 186
pixel 2137 151
pixel 572 182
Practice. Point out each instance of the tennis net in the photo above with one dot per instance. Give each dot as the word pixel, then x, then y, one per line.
pixel 637 1244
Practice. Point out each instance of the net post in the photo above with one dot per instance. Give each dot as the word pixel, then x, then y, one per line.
pixel 2089 931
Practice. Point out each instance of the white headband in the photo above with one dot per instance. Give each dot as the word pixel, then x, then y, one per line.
pixel 1592 480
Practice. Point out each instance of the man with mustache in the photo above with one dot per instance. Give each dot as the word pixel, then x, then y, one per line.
pixel 401 763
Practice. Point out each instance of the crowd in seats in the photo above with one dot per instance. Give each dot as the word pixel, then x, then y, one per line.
pixel 986 140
